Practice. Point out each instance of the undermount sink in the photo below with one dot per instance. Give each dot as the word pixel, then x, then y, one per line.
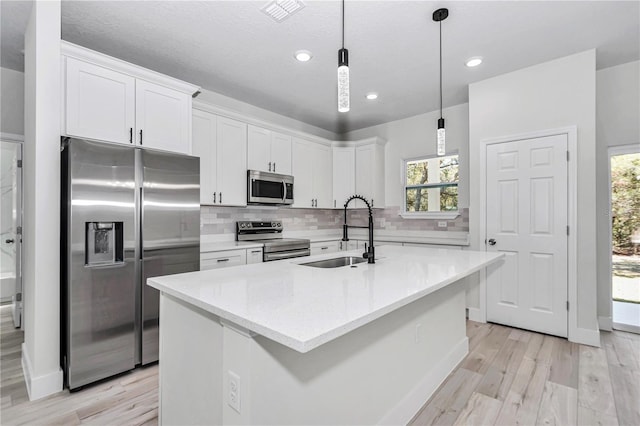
pixel 336 262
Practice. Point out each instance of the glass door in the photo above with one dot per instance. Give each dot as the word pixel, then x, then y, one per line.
pixel 625 237
pixel 10 222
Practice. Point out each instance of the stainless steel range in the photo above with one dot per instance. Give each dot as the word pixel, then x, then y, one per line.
pixel 270 234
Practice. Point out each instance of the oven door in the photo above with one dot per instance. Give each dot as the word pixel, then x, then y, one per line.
pixel 269 188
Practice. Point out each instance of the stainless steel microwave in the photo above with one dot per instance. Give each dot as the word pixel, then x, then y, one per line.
pixel 269 188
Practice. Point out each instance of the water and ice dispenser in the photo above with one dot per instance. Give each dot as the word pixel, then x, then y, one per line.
pixel 103 243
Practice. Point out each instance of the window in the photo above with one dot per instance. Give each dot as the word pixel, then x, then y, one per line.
pixel 431 187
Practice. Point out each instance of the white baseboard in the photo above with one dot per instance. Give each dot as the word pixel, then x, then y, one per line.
pixel 605 323
pixel 404 411
pixel 41 386
pixel 586 336
pixel 474 315
pixel 626 327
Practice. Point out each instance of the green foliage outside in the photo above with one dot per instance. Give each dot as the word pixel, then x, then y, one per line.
pixel 625 201
pixel 418 175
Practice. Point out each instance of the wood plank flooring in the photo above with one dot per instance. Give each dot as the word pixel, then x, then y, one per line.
pixel 510 377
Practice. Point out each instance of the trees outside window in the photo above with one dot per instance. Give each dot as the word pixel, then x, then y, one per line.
pixel 431 184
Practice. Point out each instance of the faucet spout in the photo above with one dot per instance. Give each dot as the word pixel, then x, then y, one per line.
pixel 370 253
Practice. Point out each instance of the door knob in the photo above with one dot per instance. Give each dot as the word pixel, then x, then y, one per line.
pixel 10 241
pixel 492 242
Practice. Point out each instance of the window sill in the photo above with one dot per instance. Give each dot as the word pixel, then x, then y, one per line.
pixel 430 215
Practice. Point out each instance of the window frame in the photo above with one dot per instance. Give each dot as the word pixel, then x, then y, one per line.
pixel 433 214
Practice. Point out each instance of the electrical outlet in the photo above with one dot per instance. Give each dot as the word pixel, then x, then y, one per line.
pixel 417 335
pixel 442 224
pixel 234 391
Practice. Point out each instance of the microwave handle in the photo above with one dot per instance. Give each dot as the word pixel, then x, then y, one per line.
pixel 284 187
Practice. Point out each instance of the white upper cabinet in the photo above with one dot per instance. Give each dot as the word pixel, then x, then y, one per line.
pixel 100 102
pixel 311 164
pixel 107 99
pixel 163 118
pixel 232 162
pixel 221 144
pixel 268 151
pixel 344 183
pixel 204 145
pixel 369 172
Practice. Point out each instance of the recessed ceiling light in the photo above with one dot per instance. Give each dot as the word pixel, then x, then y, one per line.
pixel 372 96
pixel 473 62
pixel 303 55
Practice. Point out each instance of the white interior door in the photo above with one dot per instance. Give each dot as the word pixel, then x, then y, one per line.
pixel 526 211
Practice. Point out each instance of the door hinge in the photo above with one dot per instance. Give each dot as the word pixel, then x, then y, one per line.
pixel 567 305
pixel 567 229
pixel 19 230
pixel 567 155
pixel 19 164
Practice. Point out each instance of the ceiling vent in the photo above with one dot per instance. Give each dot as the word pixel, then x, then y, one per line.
pixel 280 10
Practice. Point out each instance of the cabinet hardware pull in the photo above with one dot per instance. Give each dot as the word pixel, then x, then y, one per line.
pixel 274 166
pixel 214 197
pixel 256 251
pixel 221 198
pixel 312 202
pixel 222 260
pixel 334 204
pixel 324 248
pixel 140 136
pixel 130 134
pixel 372 202
pixel 269 165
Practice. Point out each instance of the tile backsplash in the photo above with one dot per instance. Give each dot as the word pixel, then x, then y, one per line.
pixel 222 220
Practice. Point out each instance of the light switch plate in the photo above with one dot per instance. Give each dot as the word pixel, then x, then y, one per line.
pixel 442 224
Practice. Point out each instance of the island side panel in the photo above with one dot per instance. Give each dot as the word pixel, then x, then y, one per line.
pixel 382 372
pixel 190 365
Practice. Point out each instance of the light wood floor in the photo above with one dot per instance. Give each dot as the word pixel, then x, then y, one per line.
pixel 510 377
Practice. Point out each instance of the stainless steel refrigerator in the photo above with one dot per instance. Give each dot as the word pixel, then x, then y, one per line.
pixel 127 214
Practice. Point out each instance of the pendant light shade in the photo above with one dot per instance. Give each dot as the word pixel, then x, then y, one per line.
pixel 343 73
pixel 439 16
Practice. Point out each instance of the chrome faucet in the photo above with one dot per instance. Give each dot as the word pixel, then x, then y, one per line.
pixel 370 253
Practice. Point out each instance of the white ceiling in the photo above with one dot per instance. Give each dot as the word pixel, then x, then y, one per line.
pixel 232 48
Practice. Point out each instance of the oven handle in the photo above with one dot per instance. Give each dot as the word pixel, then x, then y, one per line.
pixel 286 255
pixel 284 187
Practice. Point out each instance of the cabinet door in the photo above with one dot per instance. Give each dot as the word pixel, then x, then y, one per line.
pixel 343 175
pixel 323 176
pixel 203 145
pixel 303 159
pixel 365 157
pixel 254 255
pixel 231 170
pixel 163 118
pixel 100 103
pixel 259 149
pixel 280 153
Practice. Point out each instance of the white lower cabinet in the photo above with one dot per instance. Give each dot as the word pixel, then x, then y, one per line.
pixel 222 259
pixel 226 258
pixel 325 247
pixel 254 255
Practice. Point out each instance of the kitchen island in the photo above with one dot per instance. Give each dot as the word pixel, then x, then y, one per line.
pixel 285 343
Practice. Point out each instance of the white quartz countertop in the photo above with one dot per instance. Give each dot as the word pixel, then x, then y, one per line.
pixel 304 307
pixel 228 245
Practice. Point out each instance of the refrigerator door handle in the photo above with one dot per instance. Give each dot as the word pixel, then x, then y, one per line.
pixel 141 246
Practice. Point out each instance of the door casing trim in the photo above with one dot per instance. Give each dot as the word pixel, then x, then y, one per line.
pixel 572 216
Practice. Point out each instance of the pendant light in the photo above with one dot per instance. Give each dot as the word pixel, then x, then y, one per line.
pixel 439 16
pixel 343 73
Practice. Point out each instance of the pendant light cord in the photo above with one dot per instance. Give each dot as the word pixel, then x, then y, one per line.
pixel 440 69
pixel 343 24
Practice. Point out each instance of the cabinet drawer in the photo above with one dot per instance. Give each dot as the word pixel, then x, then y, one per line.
pixel 222 259
pixel 325 247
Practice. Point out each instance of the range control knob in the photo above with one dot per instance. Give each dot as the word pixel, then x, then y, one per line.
pixel 274 224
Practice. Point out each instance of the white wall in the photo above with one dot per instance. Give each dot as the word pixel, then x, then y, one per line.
pixel 416 136
pixel 551 95
pixel 41 238
pixel 253 111
pixel 11 101
pixel 618 123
